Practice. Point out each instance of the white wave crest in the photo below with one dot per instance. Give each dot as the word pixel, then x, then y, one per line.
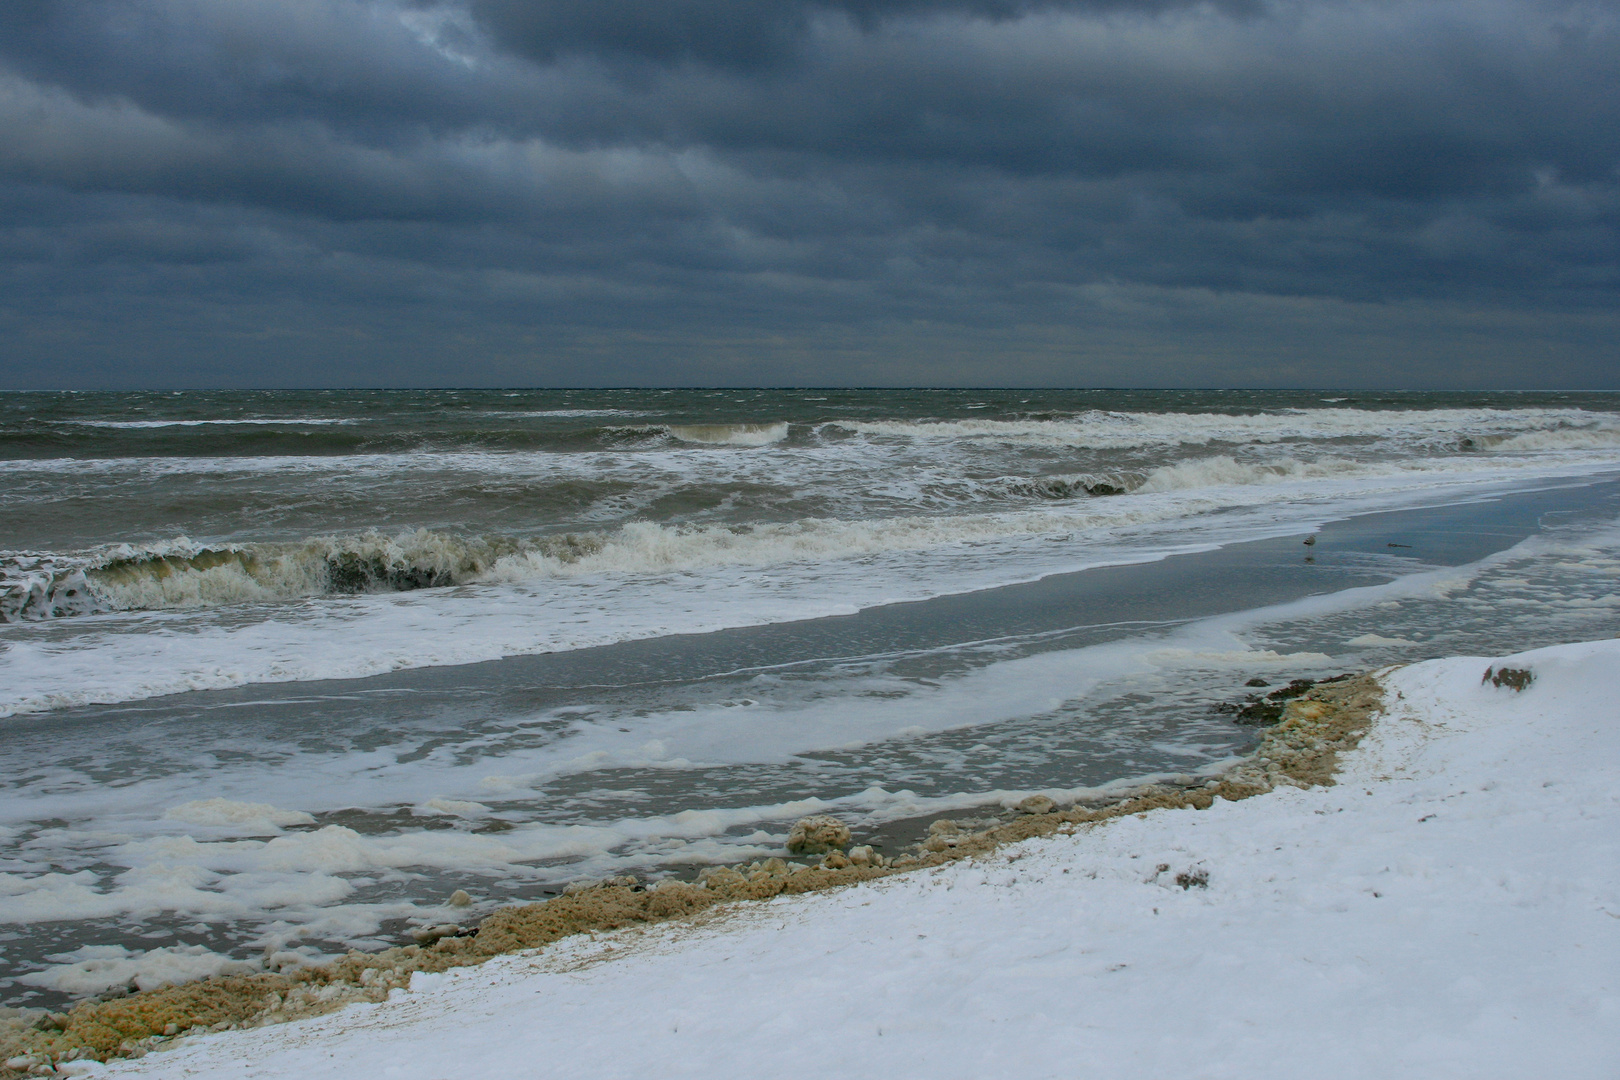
pixel 1592 438
pixel 649 547
pixel 34 587
pixel 1224 470
pixel 657 580
pixel 730 434
pixel 296 421
pixel 180 574
pixel 1119 430
pixel 567 413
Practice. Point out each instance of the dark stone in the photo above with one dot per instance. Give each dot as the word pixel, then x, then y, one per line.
pixel 1512 678
pixel 1268 710
pixel 1195 878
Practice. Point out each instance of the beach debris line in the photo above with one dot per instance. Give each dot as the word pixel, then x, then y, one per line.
pixel 1301 749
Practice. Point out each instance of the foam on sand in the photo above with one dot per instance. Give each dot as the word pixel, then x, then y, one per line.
pixel 1362 927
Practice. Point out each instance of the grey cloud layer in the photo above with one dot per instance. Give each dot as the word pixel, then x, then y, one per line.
pixel 726 169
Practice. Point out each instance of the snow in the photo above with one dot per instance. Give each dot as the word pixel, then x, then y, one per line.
pixel 1450 909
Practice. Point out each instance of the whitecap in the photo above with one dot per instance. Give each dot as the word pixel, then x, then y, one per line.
pixel 730 434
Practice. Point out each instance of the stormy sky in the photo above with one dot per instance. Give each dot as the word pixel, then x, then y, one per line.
pixel 809 192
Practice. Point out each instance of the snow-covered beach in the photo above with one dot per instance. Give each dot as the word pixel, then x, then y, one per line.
pixel 1451 907
pixel 681 650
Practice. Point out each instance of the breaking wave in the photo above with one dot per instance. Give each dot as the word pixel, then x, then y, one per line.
pixel 1588 438
pixel 1438 429
pixel 181 574
pixel 565 413
pixel 556 430
pixel 43 587
pixel 140 425
pixel 1087 485
pixel 1224 470
pixel 729 434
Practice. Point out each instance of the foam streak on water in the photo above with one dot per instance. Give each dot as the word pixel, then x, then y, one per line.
pixel 181 576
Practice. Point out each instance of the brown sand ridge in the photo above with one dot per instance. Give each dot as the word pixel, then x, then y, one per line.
pixel 1301 750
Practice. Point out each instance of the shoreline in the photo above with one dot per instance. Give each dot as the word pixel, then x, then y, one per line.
pixel 1300 750
pixel 1167 584
pixel 226 923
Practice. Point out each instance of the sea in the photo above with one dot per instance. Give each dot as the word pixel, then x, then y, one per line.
pixel 282 671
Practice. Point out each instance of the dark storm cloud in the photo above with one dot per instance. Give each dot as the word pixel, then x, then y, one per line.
pixel 748 35
pixel 511 176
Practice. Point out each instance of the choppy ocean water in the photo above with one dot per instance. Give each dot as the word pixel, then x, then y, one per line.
pixel 279 671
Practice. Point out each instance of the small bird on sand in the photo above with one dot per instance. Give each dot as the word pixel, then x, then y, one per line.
pixel 1310 541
